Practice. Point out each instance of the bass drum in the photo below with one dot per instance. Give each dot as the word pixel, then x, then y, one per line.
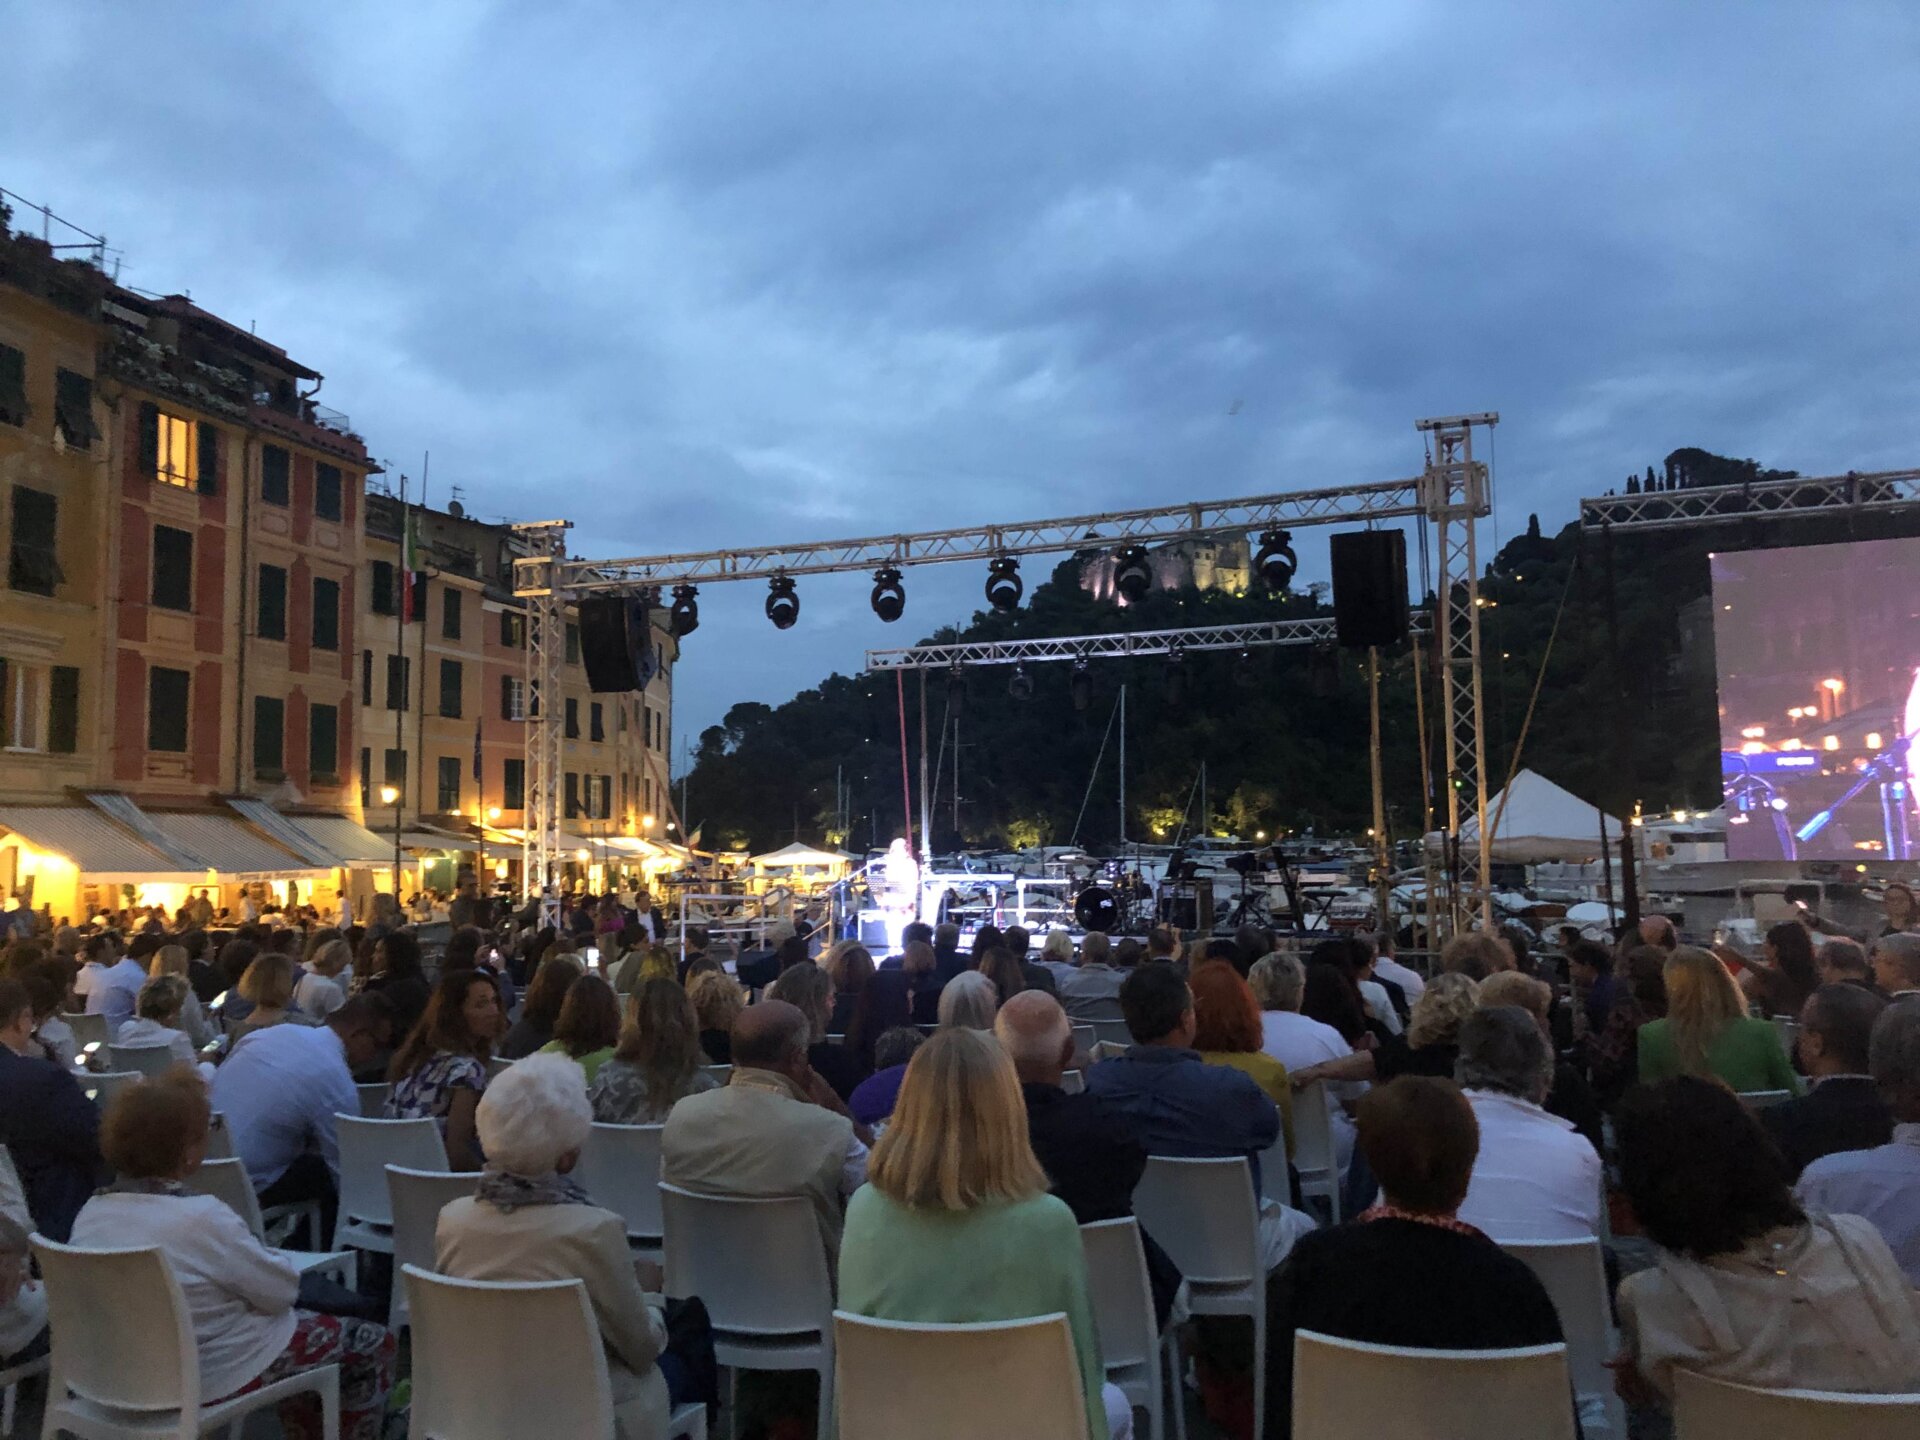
pixel 1096 909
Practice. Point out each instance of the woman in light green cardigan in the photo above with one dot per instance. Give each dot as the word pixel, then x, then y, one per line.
pixel 1708 1033
pixel 955 1225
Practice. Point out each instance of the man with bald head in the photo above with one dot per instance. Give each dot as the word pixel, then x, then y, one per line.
pixel 774 1129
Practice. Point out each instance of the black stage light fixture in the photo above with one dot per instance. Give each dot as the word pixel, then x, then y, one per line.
pixel 783 605
pixel 1132 574
pixel 1080 684
pixel 1246 670
pixel 1176 677
pixel 1276 562
pixel 1020 687
pixel 1004 585
pixel 1323 671
pixel 684 618
pixel 889 598
pixel 957 689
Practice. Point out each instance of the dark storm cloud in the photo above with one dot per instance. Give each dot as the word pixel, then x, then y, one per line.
pixel 694 275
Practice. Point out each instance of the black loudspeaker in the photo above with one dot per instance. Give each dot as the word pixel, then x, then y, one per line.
pixel 1369 587
pixel 616 643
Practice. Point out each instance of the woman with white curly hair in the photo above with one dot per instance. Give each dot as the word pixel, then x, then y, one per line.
pixel 527 1220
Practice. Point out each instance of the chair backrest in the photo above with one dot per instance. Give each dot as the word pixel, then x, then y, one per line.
pixel 1787 1028
pixel 219 1138
pixel 227 1182
pixel 501 1360
pixel 894 1379
pixel 1203 1215
pixel 620 1169
pixel 1314 1155
pixel 1348 1390
pixel 121 1332
pixel 721 1073
pixel 1708 1409
pixel 142 1059
pixel 87 1029
pixel 1761 1099
pixel 1113 1032
pixel 784 1290
pixel 497 1066
pixel 102 1088
pixel 1122 1296
pixel 1073 1082
pixel 373 1100
pixel 417 1198
pixel 367 1147
pixel 1575 1278
pixel 1085 1036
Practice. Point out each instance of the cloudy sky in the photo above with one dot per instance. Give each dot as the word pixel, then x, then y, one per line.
pixel 727 273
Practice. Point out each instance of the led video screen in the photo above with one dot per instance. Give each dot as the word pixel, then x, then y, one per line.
pixel 1818 653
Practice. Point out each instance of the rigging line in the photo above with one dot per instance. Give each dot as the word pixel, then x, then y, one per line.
pixel 1105 735
pixel 1193 791
pixel 1539 680
pixel 933 800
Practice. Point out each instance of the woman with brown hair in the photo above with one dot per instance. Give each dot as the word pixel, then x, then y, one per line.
pixel 1227 1032
pixel 999 966
pixel 849 965
pixel 657 1061
pixel 806 987
pixel 588 1027
pixel 440 1071
pixel 1708 1033
pixel 955 1224
pixel 540 1011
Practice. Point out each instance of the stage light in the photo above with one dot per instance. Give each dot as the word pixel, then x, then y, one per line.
pixel 1176 677
pixel 1080 685
pixel 1873 739
pixel 1832 742
pixel 1832 685
pixel 889 599
pixel 1246 671
pixel 1276 561
pixel 1132 573
pixel 1004 585
pixel 1020 687
pixel 957 689
pixel 783 605
pixel 684 618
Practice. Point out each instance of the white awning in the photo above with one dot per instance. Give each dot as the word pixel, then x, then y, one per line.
pixel 346 838
pixel 230 847
pixel 283 830
pixel 93 844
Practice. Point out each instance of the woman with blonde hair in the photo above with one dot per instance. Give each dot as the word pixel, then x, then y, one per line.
pixel 1707 1032
pixel 849 965
pixel 267 985
pixel 717 1001
pixel 1430 1046
pixel 955 1225
pixel 174 960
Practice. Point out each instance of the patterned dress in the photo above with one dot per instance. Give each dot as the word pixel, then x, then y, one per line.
pixel 429 1090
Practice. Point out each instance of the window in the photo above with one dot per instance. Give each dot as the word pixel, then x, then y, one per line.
pixel 272 620
pixel 573 643
pixel 326 492
pixel 326 614
pixel 449 784
pixel 172 568
pixel 63 710
pixel 449 613
pixel 366 777
pixel 513 697
pixel 450 678
pixel 31 562
pixel 13 386
pixel 573 796
pixel 39 707
pixel 395 773
pixel 269 737
pixel 573 718
pixel 366 677
pixel 596 721
pixel 276 467
pixel 418 609
pixel 382 587
pixel 399 671
pixel 606 797
pixel 73 409
pixel 513 786
pixel 167 695
pixel 323 744
pixel 646 726
pixel 513 630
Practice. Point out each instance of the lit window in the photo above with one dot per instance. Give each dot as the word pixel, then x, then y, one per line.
pixel 175 455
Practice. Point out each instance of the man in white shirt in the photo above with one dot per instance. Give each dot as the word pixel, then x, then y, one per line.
pixel 1385 967
pixel 1882 1184
pixel 1092 990
pixel 109 981
pixel 1536 1177
pixel 279 1091
pixel 1297 1041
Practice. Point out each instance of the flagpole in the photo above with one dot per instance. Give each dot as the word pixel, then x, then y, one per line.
pixel 401 599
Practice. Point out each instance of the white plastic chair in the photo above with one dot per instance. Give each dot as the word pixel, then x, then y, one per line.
pixel 88 1030
pixel 1708 1409
pixel 497 1066
pixel 373 1101
pixel 124 1362
pixel 1112 1032
pixel 1085 1036
pixel 761 1270
pixel 143 1059
pixel 476 1377
pixel 721 1073
pixel 219 1137
pixel 984 1381
pixel 620 1169
pixel 367 1147
pixel 1130 1346
pixel 1203 1214
pixel 1575 1277
pixel 416 1198
pixel 102 1088
pixel 1761 1099
pixel 1073 1082
pixel 1315 1158
pixel 10 1380
pixel 227 1182
pixel 1349 1390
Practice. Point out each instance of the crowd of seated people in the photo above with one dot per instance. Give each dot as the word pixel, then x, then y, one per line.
pixel 949 1134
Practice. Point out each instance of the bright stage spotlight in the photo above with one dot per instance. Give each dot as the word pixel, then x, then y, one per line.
pixel 684 618
pixel 889 598
pixel 1132 574
pixel 1080 684
pixel 783 605
pixel 1276 561
pixel 1004 585
pixel 1020 687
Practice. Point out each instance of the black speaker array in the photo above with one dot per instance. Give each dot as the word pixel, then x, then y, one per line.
pixel 616 643
pixel 1369 587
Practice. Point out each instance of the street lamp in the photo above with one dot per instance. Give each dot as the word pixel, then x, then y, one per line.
pixel 390 795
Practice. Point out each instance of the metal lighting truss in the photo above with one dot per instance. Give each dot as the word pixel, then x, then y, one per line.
pixel 1143 643
pixel 1884 490
pixel 546 545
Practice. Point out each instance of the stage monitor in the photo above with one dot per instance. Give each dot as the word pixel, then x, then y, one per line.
pixel 1818 653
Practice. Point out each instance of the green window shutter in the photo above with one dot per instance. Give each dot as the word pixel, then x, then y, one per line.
pixel 63 710
pixel 13 386
pixel 208 480
pixel 149 437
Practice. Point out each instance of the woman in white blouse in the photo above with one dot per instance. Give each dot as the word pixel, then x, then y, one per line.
pixel 157 1019
pixel 241 1295
pixel 23 1302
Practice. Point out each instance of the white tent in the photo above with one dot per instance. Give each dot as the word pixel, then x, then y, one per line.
pixel 1534 820
pixel 799 857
